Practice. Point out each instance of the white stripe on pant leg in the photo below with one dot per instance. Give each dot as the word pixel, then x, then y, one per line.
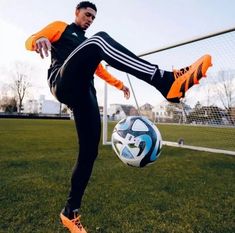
pixel 120 61
pixel 125 55
pixel 117 55
pixel 141 64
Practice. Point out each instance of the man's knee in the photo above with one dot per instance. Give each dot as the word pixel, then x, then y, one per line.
pixel 87 159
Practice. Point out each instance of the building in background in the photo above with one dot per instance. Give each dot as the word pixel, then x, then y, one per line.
pixel 42 106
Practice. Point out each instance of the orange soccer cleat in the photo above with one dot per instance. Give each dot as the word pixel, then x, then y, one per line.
pixel 73 225
pixel 186 77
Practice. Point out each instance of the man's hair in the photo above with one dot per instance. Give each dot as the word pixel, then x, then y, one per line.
pixel 85 4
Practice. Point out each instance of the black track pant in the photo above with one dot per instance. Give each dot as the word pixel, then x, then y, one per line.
pixel 73 85
pixel 88 125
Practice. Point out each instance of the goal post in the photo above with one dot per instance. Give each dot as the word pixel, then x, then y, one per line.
pixel 207 112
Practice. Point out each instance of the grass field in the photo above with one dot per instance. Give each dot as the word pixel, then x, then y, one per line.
pixel 183 192
pixel 205 136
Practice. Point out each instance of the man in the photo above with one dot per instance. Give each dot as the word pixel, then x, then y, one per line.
pixel 74 60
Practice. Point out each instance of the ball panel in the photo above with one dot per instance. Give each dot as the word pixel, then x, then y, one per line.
pixel 139 125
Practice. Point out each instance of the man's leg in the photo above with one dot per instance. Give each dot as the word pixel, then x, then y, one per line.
pixel 172 85
pixel 102 47
pixel 88 126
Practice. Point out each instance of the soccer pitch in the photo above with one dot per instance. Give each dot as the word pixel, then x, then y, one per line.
pixel 185 191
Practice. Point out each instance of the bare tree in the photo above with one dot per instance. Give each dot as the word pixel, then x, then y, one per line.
pixel 226 92
pixel 8 104
pixel 21 84
pixel 184 110
pixel 208 94
pixel 226 88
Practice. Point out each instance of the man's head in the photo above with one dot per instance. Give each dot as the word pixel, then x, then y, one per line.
pixel 85 14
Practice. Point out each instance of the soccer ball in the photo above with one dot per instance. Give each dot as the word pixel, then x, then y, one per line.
pixel 136 141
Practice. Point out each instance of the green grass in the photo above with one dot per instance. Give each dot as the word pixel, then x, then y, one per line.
pixel 183 192
pixel 212 137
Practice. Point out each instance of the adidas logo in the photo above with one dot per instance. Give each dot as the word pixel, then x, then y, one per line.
pixel 74 34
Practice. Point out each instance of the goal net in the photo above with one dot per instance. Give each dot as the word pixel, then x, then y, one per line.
pixel 205 118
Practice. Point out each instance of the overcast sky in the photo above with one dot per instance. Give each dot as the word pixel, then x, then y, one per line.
pixel 139 25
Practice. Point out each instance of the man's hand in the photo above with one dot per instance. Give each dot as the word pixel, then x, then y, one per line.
pixel 43 46
pixel 126 92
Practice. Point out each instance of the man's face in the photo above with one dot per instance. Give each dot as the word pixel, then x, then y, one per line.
pixel 85 17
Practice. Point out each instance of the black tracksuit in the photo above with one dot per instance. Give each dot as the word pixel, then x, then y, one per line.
pixel 70 77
